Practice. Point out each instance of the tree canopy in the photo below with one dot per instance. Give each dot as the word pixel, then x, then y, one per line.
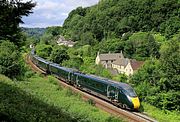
pixel 115 17
pixel 11 16
pixel 10 64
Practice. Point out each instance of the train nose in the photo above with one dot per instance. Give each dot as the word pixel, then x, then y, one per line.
pixel 136 102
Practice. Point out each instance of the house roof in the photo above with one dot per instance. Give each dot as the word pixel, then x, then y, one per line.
pixel 121 61
pixel 136 64
pixel 124 61
pixel 110 56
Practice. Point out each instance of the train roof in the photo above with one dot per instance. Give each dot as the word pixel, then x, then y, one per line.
pixel 107 81
pixel 60 67
pixel 41 59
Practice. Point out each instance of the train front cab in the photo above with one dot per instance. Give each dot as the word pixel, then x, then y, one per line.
pixel 129 97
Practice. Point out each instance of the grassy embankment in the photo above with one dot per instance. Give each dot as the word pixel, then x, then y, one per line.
pixel 41 99
pixel 161 115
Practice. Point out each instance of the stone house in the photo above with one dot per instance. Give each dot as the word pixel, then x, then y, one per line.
pixel 117 62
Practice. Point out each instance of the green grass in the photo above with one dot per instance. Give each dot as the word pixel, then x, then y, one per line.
pixel 41 99
pixel 161 115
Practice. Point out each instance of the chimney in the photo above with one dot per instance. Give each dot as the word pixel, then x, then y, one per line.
pixel 98 53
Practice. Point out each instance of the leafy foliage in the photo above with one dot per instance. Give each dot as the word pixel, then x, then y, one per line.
pixel 157 82
pixel 34 32
pixel 73 62
pixel 59 54
pixel 10 16
pixel 110 19
pixel 142 45
pixel 43 50
pixel 10 63
pixel 170 65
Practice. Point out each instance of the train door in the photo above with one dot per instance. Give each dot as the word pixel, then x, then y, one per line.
pixel 48 69
pixel 77 81
pixel 116 94
pixel 121 96
pixel 111 92
pixel 70 77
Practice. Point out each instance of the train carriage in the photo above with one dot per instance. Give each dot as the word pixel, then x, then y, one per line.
pixel 61 72
pixel 92 83
pixel 42 64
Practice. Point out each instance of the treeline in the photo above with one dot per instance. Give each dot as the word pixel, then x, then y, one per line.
pixel 34 32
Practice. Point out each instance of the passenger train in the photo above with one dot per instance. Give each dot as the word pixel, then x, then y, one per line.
pixel 120 94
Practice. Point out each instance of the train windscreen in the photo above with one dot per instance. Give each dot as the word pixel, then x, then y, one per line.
pixel 130 92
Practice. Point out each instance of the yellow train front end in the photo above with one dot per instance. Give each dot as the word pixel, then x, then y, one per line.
pixel 136 102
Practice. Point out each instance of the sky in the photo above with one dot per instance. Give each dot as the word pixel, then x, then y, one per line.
pixel 52 12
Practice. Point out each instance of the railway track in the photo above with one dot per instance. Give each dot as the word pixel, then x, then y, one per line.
pixel 113 110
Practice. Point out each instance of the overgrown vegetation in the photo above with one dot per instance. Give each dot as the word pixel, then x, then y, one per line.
pixel 41 99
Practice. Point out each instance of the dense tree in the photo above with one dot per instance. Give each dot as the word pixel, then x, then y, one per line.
pixel 73 62
pixel 110 45
pixel 55 30
pixel 10 16
pixel 170 65
pixel 59 54
pixel 43 50
pixel 10 64
pixel 124 16
pixel 34 32
pixel 157 82
pixel 142 45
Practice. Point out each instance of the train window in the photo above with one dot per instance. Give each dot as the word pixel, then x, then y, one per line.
pixel 130 91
